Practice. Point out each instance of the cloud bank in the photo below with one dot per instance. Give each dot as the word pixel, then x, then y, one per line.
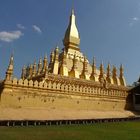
pixel 10 36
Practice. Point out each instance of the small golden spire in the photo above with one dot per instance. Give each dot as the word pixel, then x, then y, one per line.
pixel 30 70
pixel 23 74
pixel 10 69
pixel 114 71
pixel 108 75
pixel 108 70
pixel 57 49
pixel 56 53
pixel 52 57
pixel 84 71
pixel 34 69
pixel 11 60
pixel 27 71
pixel 75 62
pixel 122 78
pixel 39 66
pixel 45 64
pixel 64 58
pixel 102 69
pixel 63 70
pixel 85 64
pixel 94 66
pixel 92 77
pixel 101 76
pixel 121 71
pixel 94 62
pixel 114 75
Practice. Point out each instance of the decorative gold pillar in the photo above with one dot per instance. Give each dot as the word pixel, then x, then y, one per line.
pixel 39 66
pixel 63 68
pixel 23 74
pixel 108 75
pixel 114 76
pixel 34 70
pixel 84 71
pixel 56 61
pixel 101 76
pixel 50 68
pixel 45 65
pixel 122 79
pixel 94 76
pixel 10 69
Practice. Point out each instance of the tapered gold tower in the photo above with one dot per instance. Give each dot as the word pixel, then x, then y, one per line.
pixel 72 37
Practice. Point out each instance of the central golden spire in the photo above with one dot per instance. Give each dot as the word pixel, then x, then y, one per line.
pixel 72 37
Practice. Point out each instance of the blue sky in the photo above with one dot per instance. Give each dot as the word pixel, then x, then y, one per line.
pixel 109 30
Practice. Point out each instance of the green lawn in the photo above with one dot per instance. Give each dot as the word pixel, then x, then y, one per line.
pixel 103 131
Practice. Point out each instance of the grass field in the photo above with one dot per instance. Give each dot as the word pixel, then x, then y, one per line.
pixel 104 131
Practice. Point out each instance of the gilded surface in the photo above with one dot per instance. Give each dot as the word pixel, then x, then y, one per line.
pixel 68 81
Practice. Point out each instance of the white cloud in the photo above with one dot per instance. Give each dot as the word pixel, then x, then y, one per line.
pixel 135 18
pixel 133 21
pixel 20 26
pixel 10 36
pixel 37 29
